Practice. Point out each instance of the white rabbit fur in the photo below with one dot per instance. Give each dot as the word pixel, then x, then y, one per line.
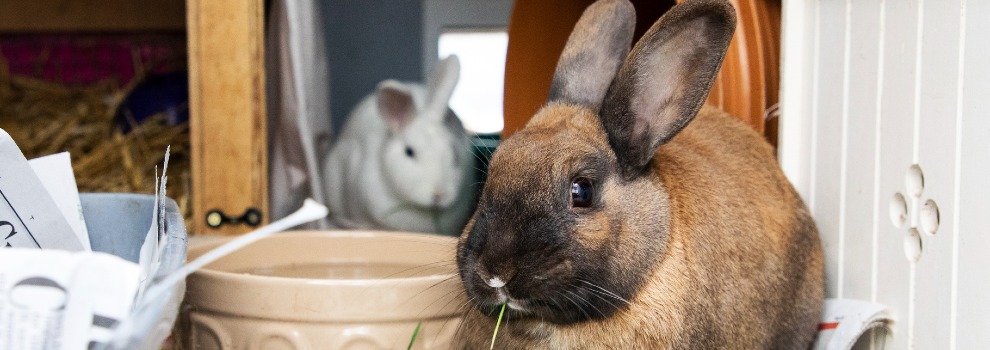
pixel 403 160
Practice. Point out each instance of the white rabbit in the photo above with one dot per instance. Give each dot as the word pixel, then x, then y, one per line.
pixel 403 160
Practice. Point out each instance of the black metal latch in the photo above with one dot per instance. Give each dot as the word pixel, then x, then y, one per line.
pixel 216 218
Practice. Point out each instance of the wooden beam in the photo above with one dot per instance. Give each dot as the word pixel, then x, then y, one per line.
pixel 91 15
pixel 227 110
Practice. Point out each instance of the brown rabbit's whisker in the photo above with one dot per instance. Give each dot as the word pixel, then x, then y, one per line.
pixel 464 317
pixel 478 165
pixel 586 302
pixel 426 246
pixel 444 296
pixel 481 169
pixel 483 172
pixel 466 306
pixel 445 280
pixel 605 291
pixel 597 294
pixel 392 280
pixel 417 268
pixel 575 305
pixel 412 238
pixel 581 309
pixel 487 158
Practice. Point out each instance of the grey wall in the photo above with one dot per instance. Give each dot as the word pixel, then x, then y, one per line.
pixel 369 41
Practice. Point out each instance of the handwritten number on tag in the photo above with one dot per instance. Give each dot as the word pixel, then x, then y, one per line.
pixel 12 230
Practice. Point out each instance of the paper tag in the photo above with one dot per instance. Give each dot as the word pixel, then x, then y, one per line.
pixel 29 217
pixel 149 257
pixel 55 173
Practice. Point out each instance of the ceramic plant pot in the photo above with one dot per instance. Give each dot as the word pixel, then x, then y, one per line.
pixel 325 290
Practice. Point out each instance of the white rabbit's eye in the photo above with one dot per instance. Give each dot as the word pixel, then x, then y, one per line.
pixel 582 193
pixel 410 153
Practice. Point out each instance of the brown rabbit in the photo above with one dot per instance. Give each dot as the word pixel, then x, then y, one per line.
pixel 614 221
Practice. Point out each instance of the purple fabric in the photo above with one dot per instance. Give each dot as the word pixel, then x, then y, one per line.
pixel 85 59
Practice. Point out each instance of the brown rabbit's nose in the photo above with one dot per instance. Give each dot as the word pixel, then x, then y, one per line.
pixel 495 280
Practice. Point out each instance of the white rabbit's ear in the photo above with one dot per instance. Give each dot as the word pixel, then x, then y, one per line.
pixel 666 79
pixel 440 85
pixel 594 51
pixel 395 104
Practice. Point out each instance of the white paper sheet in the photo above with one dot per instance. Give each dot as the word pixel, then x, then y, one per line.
pixel 149 257
pixel 55 173
pixel 29 218
pixel 53 300
pixel 63 296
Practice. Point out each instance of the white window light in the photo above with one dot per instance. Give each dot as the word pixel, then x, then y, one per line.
pixel 477 99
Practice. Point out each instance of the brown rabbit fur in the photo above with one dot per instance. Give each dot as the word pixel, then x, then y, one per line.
pixel 614 221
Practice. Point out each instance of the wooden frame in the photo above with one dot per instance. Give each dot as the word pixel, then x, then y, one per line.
pixel 227 86
pixel 91 15
pixel 227 110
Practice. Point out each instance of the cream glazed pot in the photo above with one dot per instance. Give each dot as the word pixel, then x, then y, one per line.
pixel 325 290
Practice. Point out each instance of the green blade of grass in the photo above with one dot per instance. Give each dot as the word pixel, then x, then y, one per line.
pixel 497 324
pixel 415 332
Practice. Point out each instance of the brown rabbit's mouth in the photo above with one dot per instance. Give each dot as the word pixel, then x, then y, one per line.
pixel 564 306
pixel 518 305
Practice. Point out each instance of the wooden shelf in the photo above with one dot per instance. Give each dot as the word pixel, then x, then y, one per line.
pixel 18 16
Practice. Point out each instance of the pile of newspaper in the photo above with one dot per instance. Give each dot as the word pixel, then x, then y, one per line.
pixel 55 292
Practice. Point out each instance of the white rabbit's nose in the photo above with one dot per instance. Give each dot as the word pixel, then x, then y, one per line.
pixel 442 199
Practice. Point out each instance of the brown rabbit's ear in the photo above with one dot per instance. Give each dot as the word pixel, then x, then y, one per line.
pixel 665 80
pixel 596 48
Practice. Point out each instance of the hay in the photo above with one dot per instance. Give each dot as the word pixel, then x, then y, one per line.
pixel 45 118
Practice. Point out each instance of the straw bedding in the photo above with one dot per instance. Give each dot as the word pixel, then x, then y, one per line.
pixel 45 118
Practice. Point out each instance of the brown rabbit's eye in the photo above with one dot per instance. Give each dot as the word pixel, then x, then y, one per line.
pixel 582 193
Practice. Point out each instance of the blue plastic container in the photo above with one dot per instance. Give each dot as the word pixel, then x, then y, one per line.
pixel 117 224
